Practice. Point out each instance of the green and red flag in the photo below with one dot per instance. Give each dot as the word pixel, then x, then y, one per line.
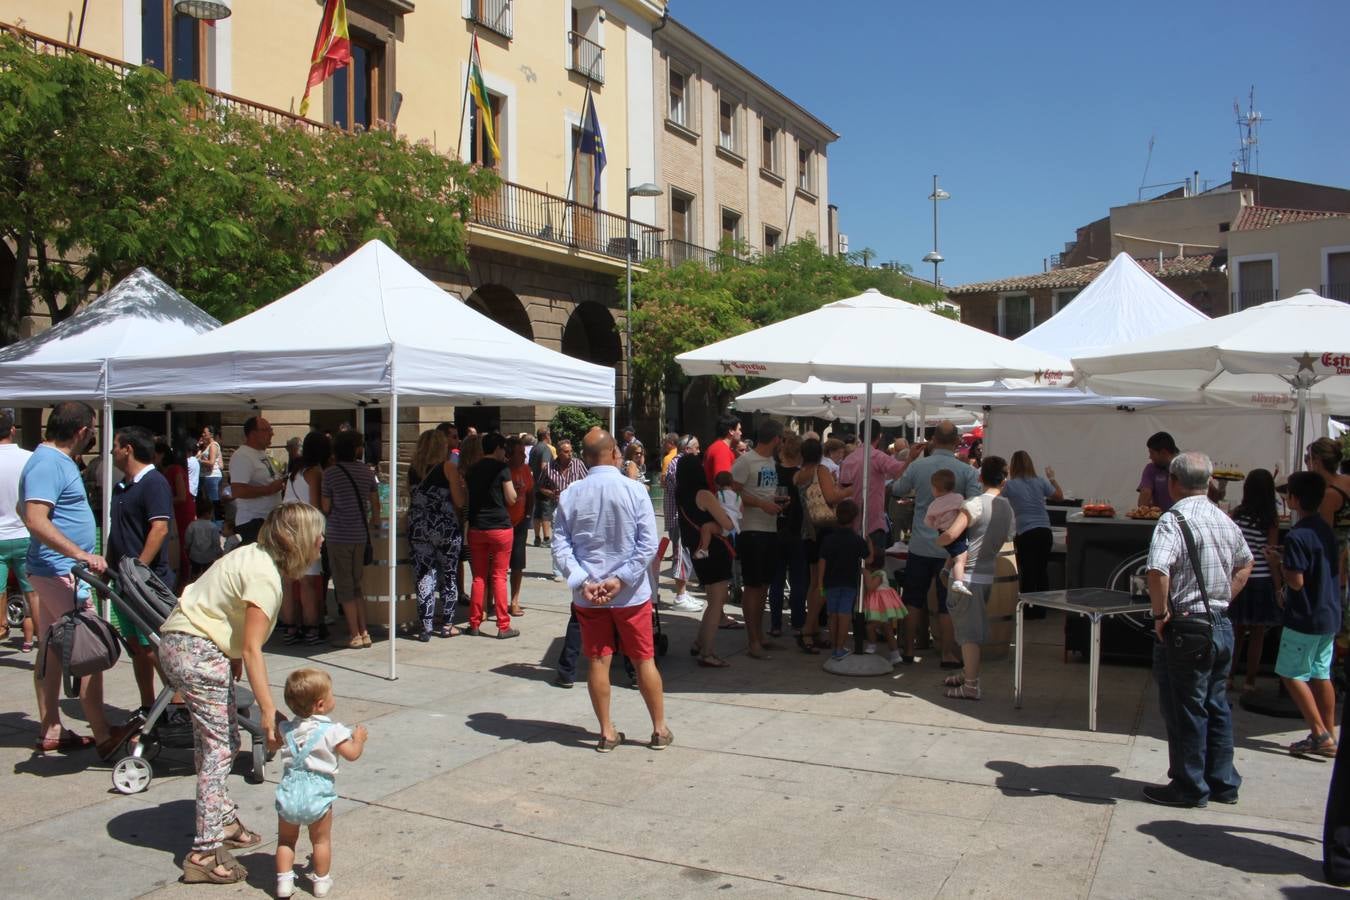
pixel 332 47
pixel 478 90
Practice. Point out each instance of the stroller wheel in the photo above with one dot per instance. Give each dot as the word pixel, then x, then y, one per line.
pixel 131 775
pixel 15 610
pixel 255 775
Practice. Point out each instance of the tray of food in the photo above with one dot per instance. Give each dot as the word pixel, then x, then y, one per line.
pixel 1098 510
pixel 1144 512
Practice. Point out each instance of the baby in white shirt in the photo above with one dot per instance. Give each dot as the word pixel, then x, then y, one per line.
pixel 311 746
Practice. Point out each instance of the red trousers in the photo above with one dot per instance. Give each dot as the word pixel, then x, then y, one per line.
pixel 490 556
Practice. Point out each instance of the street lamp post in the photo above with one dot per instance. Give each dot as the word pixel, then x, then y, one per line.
pixel 933 256
pixel 646 189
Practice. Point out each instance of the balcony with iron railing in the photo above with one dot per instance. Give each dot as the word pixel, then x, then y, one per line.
pixel 1253 297
pixel 1336 292
pixel 494 15
pixel 269 115
pixel 511 208
pixel 534 214
pixel 588 57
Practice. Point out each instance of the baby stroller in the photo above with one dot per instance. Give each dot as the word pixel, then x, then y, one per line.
pixel 146 602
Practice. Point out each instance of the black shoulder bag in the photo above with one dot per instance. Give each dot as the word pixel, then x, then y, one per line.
pixel 1189 640
pixel 369 556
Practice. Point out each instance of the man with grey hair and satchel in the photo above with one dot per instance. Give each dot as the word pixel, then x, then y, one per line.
pixel 1197 562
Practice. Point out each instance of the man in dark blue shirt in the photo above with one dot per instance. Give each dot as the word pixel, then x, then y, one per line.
pixel 1312 613
pixel 142 507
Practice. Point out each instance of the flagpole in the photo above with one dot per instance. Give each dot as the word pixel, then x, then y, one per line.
pixel 572 170
pixel 464 98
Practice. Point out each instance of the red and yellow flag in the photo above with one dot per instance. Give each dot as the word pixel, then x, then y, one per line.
pixel 332 47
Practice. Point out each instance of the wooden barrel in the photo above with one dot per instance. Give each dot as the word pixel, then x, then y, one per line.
pixel 1001 608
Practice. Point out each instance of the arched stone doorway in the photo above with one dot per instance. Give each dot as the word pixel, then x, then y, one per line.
pixel 501 305
pixel 593 335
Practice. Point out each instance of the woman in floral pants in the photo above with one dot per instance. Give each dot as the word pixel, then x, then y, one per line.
pixel 214 634
pixel 437 494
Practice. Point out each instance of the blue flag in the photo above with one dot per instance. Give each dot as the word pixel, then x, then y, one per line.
pixel 594 144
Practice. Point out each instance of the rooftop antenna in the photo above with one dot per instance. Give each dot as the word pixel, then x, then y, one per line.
pixel 1148 161
pixel 1249 135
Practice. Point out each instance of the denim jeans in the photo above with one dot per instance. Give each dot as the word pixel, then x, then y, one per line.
pixel 1199 722
pixel 789 570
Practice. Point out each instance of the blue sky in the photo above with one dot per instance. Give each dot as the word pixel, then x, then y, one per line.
pixel 1037 115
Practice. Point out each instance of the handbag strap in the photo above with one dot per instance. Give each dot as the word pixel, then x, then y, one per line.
pixel 365 519
pixel 1189 537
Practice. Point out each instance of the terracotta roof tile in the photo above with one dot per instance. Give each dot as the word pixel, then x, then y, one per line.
pixel 1081 276
pixel 1253 218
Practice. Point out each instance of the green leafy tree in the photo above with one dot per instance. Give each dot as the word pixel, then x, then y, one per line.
pixel 682 308
pixel 101 172
pixel 571 423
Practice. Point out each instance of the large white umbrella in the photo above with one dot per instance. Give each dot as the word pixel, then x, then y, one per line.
pixel 1259 357
pixel 866 339
pixel 892 403
pixel 871 338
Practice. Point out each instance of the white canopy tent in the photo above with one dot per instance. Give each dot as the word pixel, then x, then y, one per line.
pixel 69 361
pixel 866 339
pixel 1295 350
pixel 370 329
pixel 1122 303
pixel 892 404
pixel 1259 356
pixel 1097 456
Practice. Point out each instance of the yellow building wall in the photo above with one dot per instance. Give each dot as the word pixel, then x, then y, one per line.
pixel 271 41
pixel 60 19
pixel 270 44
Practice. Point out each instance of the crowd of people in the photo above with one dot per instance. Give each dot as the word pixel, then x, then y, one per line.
pixel 787 521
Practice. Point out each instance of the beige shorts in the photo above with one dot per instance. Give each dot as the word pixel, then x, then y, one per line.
pixel 345 561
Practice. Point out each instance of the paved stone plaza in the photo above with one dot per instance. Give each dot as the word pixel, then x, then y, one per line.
pixel 480 781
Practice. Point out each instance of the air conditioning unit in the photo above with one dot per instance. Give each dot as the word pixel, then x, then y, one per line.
pixel 843 243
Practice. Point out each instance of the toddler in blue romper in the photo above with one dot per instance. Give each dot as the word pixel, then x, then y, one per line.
pixel 312 743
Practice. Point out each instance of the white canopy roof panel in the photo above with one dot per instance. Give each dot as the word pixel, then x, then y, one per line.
pixel 139 314
pixel 1249 358
pixel 1123 303
pixel 368 327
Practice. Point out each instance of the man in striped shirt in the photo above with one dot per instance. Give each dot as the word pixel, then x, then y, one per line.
pixel 1193 697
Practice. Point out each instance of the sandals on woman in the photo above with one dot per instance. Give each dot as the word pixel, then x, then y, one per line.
pixel 713 661
pixel 65 743
pixel 1314 745
pixel 239 837
pixel 954 680
pixel 968 690
pixel 205 872
pixel 806 644
pixel 448 631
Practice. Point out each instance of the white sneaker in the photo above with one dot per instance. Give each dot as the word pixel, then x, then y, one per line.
pixel 286 885
pixel 894 657
pixel 686 603
pixel 959 587
pixel 322 884
pixel 869 648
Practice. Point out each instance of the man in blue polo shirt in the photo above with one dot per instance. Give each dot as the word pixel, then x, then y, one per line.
pixel 56 511
pixel 142 507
